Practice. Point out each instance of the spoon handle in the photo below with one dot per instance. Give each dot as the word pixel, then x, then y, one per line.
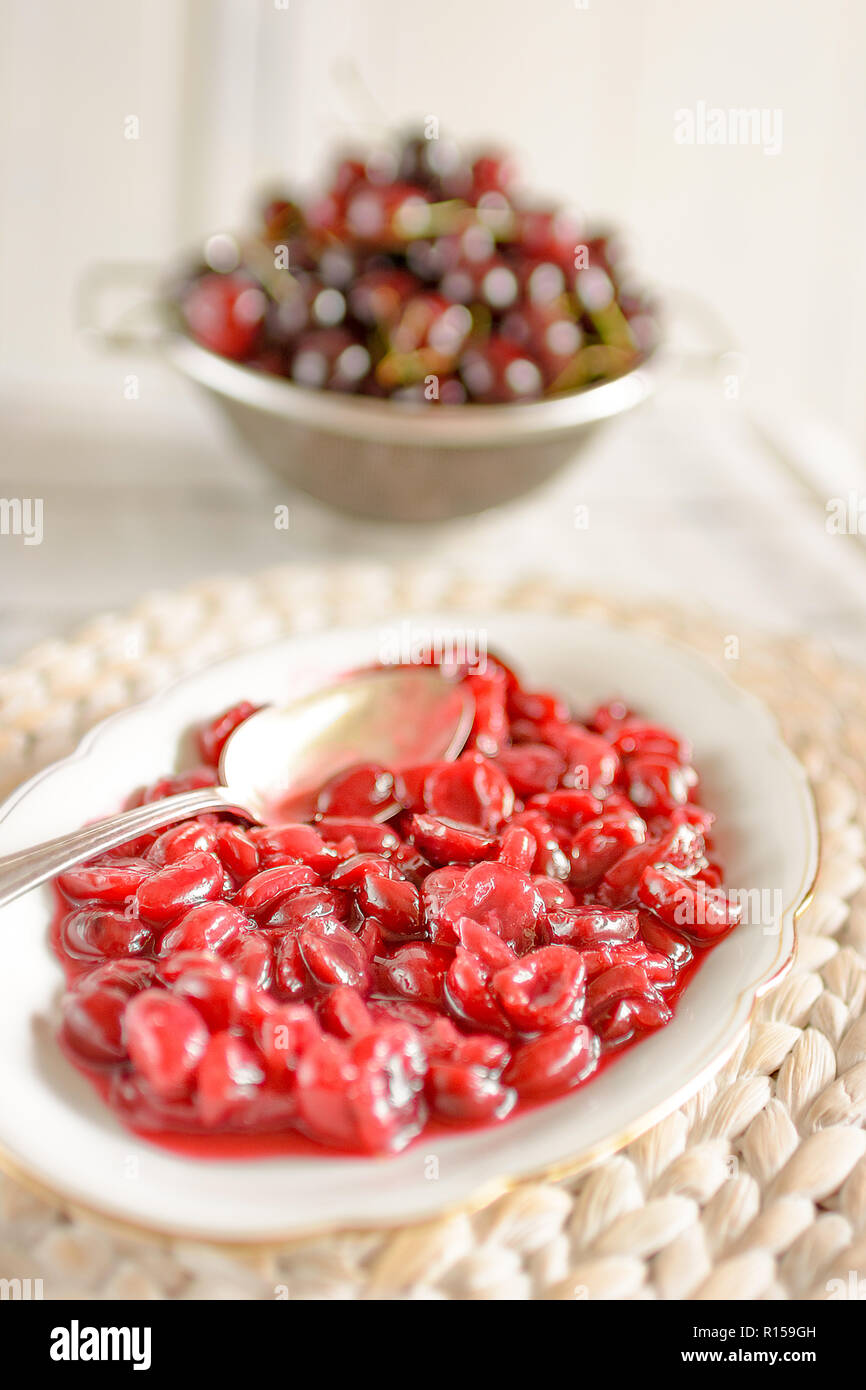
pixel 27 868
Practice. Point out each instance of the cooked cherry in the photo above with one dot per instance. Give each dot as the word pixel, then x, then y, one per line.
pixel 554 893
pixel 620 982
pixel 554 1062
pixel 94 933
pixel 93 1023
pixel 167 1039
pixel 129 975
pixel 111 884
pixel 462 1091
pixel 284 1035
pixel 345 1014
pixel 368 836
pixel 252 956
pixel 266 890
pixel 306 905
pixel 208 927
pixel 590 926
pixel 658 783
pixel 360 791
pixel 486 945
pixel 500 898
pixel 229 1077
pixel 657 967
pixel 619 1020
pixel 352 872
pixel 416 971
pixel 212 737
pixel 437 888
pixel 550 861
pixel 334 956
pixel 663 941
pixel 386 1008
pixel 490 727
pixel 396 1048
pixel 443 1042
pixel 180 840
pixel 630 736
pixel 196 878
pixel 171 786
pixel 362 1095
pixel 393 902
pixel 291 977
pixel 237 851
pixel 608 719
pixel 591 763
pixel 210 984
pixel 597 847
pixel 681 847
pixel 283 844
pixel 518 848
pixel 252 1004
pixel 531 768
pixel 697 816
pixel 448 842
pixel 567 808
pixel 472 791
pixel 409 785
pixel 325 1077
pixel 411 864
pixel 700 911
pixel 372 938
pixel 541 990
pixel 468 991
pixel 537 706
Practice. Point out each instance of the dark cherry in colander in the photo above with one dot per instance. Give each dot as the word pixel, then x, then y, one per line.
pixel 421 275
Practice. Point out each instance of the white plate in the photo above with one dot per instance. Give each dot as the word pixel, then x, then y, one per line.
pixel 56 1132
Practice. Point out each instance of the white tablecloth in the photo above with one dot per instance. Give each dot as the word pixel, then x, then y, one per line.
pixel 684 499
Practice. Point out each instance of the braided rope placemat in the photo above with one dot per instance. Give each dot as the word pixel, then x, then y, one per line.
pixel 756 1189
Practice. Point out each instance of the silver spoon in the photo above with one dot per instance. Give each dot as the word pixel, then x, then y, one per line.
pixel 395 717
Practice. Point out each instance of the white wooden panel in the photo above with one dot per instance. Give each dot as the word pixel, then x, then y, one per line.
pixel 74 188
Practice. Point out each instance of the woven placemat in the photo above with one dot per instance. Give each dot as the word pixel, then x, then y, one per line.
pixel 754 1190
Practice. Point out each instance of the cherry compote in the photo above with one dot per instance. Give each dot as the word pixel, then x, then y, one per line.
pixel 437 944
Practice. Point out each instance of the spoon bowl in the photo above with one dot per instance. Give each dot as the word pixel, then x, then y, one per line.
pixel 399 717
pixel 278 757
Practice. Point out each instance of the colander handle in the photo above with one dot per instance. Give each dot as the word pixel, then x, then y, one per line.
pixel 140 318
pixel 715 346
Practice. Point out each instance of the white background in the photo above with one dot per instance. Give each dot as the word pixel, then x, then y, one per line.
pixel 687 502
